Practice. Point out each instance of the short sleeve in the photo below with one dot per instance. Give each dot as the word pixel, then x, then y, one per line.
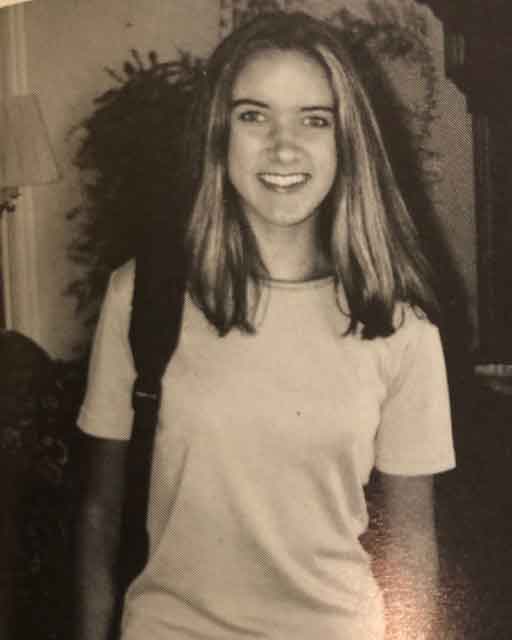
pixel 106 411
pixel 415 432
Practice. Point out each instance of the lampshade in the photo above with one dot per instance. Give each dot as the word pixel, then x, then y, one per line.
pixel 26 157
pixel 9 3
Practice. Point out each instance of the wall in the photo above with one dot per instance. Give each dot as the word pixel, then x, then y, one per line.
pixel 69 44
pixel 452 136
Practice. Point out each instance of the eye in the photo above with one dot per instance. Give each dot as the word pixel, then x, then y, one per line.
pixel 251 115
pixel 318 122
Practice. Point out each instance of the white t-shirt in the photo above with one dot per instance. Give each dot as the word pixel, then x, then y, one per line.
pixel 262 451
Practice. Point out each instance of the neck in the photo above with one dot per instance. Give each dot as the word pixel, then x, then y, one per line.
pixel 291 255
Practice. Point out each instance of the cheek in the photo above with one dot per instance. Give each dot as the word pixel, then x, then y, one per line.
pixel 236 152
pixel 243 153
pixel 233 163
pixel 329 160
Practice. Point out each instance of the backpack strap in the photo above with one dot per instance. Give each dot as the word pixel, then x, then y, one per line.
pixel 155 325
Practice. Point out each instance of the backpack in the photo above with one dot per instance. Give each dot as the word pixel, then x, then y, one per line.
pixel 159 292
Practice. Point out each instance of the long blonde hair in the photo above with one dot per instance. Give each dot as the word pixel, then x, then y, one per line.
pixel 368 233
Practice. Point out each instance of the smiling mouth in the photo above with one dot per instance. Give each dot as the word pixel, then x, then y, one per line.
pixel 283 182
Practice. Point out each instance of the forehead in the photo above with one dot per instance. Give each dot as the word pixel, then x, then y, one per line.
pixel 289 76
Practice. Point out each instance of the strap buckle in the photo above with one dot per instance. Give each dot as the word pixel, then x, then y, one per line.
pixel 144 393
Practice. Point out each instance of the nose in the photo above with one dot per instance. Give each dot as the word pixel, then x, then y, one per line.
pixel 284 143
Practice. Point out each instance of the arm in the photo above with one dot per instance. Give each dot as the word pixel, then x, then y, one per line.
pixel 407 563
pixel 97 536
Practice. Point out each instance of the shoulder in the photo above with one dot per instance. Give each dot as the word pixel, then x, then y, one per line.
pixel 121 283
pixel 416 343
pixel 411 323
pixel 415 340
pixel 117 301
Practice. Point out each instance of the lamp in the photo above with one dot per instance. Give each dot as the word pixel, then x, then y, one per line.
pixel 26 157
pixel 9 3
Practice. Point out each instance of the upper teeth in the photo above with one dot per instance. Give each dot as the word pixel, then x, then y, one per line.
pixel 284 180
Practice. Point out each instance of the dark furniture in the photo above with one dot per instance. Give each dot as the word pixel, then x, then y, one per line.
pixel 39 399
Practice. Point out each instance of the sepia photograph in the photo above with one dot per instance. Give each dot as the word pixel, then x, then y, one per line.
pixel 255 320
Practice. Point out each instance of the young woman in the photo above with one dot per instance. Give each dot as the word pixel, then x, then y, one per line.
pixel 307 358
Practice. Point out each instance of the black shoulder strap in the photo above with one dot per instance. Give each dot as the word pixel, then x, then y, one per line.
pixel 157 310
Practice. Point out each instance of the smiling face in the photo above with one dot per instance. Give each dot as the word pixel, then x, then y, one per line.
pixel 282 145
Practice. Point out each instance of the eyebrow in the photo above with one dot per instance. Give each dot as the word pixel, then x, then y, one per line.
pixel 264 105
